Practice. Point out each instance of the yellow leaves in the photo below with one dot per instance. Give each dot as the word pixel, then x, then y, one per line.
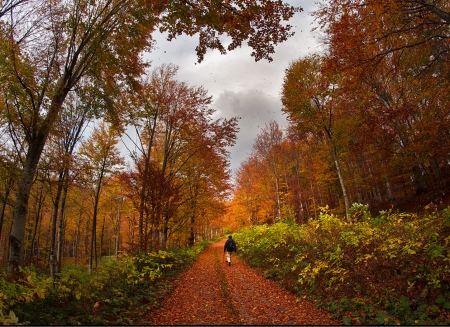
pixel 40 293
pixel 11 319
pixel 319 265
pixel 275 261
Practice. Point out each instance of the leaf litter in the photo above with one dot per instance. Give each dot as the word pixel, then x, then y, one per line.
pixel 201 297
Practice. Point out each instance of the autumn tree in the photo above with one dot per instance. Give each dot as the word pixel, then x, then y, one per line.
pixel 59 162
pixel 263 180
pixel 309 98
pixel 368 116
pixel 391 54
pixel 278 180
pixel 206 184
pixel 267 148
pixel 246 193
pixel 365 34
pixel 101 158
pixel 48 47
pixel 172 124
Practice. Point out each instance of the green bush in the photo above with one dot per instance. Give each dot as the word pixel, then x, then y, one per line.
pixel 114 294
pixel 376 266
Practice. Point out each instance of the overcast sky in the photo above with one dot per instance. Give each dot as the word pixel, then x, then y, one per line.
pixel 239 85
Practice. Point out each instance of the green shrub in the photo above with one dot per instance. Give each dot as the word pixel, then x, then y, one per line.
pixel 376 266
pixel 114 294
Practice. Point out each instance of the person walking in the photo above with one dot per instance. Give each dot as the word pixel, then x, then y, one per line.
pixel 229 247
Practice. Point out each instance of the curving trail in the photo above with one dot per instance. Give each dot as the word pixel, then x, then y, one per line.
pixel 211 293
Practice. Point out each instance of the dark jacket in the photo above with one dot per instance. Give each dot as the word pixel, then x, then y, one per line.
pixel 226 245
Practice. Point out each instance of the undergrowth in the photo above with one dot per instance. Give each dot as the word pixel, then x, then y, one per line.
pixel 116 293
pixel 389 269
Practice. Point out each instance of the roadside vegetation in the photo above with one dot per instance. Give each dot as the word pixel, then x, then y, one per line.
pixel 116 293
pixel 386 269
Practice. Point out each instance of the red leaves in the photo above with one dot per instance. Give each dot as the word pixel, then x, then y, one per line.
pixel 199 298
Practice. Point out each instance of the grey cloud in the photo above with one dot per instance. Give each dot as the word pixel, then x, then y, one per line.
pixel 255 109
pixel 239 85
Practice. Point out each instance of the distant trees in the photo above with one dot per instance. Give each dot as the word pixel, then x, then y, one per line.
pixel 175 132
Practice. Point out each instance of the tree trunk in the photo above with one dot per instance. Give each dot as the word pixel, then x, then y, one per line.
pixel 117 244
pixel 77 238
pixel 165 233
pixel 277 188
pixel 93 242
pixel 93 252
pixel 341 181
pixel 61 227
pixel 102 234
pixel 143 193
pixel 34 152
pixel 419 180
pixel 4 203
pixel 36 224
pixel 53 235
pixel 17 236
pixel 38 246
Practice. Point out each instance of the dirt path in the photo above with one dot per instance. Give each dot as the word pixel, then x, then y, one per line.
pixel 211 293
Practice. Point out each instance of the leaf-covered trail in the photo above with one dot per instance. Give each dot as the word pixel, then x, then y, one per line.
pixel 212 293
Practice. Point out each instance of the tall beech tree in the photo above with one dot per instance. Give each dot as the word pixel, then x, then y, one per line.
pixel 246 193
pixel 309 98
pixel 59 160
pixel 102 159
pixel 47 47
pixel 206 182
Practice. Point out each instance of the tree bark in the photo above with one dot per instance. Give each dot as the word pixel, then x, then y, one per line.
pixel 36 223
pixel 53 235
pixel 119 215
pixel 4 203
pixel 34 152
pixel 16 238
pixel 93 248
pixel 77 238
pixel 143 194
pixel 341 182
pixel 61 225
pixel 102 234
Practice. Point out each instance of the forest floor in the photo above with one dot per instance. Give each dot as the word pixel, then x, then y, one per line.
pixel 213 293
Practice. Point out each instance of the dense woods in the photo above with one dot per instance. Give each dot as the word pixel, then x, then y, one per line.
pixel 368 117
pixel 114 174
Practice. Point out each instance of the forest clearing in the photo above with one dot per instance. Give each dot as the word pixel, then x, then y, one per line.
pixel 115 183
